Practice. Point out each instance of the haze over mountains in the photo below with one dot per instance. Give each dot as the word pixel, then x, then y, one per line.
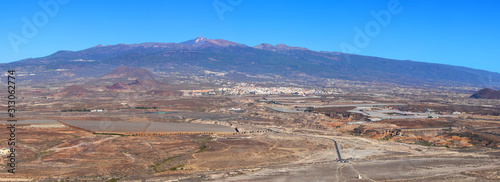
pixel 264 60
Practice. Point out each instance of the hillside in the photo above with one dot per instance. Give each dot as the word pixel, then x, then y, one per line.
pixel 486 93
pixel 124 72
pixel 73 91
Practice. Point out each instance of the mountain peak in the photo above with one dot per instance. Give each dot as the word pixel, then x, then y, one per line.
pixel 202 41
pixel 198 41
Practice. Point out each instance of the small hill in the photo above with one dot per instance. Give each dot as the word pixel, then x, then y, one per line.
pixel 73 91
pixel 140 85
pixel 128 73
pixel 135 85
pixel 486 93
pixel 115 86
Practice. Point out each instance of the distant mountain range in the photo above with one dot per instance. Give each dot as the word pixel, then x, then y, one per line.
pixel 280 61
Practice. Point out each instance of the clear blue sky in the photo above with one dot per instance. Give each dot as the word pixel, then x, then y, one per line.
pixel 463 33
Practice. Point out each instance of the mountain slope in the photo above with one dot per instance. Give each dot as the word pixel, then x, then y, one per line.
pixel 73 91
pixel 486 93
pixel 265 59
pixel 128 73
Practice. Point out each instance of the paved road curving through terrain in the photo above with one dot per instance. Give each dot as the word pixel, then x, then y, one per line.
pixel 338 150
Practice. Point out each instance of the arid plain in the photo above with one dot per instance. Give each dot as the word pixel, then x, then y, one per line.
pixel 268 146
pixel 130 126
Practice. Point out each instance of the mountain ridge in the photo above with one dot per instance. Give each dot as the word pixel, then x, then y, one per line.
pixel 264 59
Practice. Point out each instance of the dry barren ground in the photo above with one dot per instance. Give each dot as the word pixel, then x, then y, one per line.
pixel 60 153
pixel 387 161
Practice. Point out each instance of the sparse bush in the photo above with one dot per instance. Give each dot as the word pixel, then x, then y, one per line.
pixel 387 137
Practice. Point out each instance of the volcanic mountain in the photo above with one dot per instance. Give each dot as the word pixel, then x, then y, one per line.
pixel 131 79
pixel 73 91
pixel 262 61
pixel 486 93
pixel 204 42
